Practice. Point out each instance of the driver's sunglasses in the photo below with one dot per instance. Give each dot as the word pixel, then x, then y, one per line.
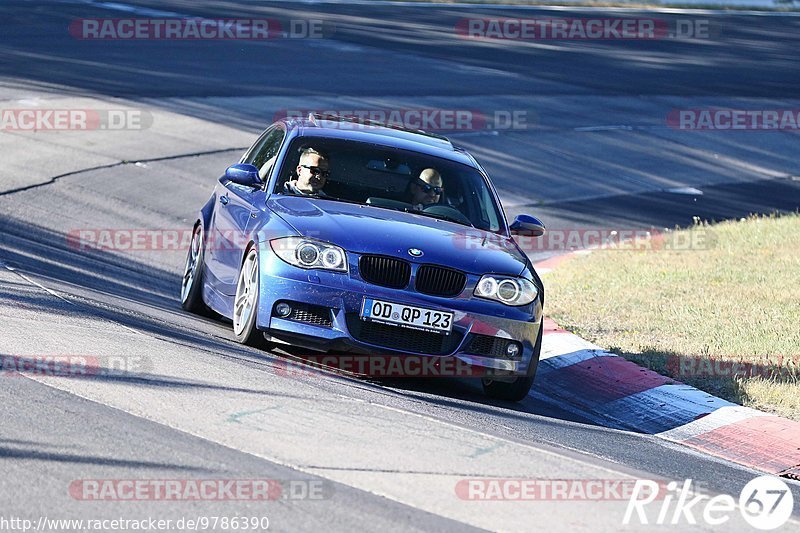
pixel 427 187
pixel 317 171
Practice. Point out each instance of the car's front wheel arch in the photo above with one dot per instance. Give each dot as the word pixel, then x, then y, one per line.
pixel 246 301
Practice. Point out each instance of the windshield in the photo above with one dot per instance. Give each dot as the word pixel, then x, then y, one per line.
pixel 390 178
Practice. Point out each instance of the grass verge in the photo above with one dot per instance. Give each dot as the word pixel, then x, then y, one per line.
pixel 720 311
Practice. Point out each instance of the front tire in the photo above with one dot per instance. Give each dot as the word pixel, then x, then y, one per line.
pixel 245 304
pixel 518 389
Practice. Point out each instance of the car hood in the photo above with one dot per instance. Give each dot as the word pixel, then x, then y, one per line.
pixel 368 229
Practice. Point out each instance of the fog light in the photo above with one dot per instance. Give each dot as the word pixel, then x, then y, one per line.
pixel 512 350
pixel 283 309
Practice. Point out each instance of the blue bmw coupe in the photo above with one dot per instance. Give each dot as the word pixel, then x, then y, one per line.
pixel 335 234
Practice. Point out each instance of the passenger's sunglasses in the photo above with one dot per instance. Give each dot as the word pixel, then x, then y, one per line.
pixel 427 187
pixel 317 171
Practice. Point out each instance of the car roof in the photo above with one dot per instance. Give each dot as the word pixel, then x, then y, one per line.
pixel 338 127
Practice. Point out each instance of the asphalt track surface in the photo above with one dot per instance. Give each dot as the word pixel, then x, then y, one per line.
pixel 199 406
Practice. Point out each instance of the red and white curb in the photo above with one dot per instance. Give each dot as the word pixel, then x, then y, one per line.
pixel 611 391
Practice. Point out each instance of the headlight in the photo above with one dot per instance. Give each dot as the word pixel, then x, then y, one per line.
pixel 506 289
pixel 310 253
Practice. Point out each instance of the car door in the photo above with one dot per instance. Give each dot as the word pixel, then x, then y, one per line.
pixel 232 223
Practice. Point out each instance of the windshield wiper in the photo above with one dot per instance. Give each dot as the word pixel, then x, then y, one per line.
pixel 326 197
pixel 441 216
pixel 337 199
pixel 438 216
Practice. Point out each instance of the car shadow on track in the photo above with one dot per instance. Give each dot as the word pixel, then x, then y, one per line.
pixel 462 392
pixel 113 367
pixel 30 454
pixel 42 251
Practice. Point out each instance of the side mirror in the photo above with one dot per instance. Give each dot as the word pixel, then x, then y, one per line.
pixel 243 175
pixel 527 225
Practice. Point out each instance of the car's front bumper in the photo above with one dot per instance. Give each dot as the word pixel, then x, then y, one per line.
pixel 343 294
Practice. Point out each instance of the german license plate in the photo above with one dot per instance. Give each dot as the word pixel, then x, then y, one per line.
pixel 407 316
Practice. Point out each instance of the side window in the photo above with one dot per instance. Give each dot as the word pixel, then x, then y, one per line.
pixel 263 157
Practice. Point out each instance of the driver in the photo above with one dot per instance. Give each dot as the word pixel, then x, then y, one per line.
pixel 312 174
pixel 427 189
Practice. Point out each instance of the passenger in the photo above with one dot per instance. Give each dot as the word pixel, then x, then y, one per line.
pixel 312 174
pixel 427 189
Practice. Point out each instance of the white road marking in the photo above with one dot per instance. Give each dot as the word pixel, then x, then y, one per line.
pixel 685 190
pixel 564 349
pixel 138 10
pixel 56 295
pixel 34 282
pixel 721 417
pixel 604 128
pixel 673 402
